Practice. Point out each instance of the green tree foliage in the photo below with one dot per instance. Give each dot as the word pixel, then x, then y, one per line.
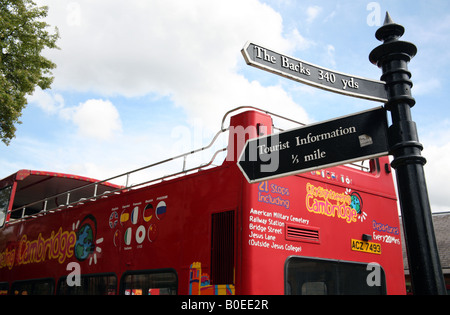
pixel 23 36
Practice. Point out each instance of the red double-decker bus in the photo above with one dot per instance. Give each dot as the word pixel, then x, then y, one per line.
pixel 203 230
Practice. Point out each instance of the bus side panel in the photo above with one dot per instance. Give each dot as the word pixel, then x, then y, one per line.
pixel 165 226
pixel 320 215
pixel 180 238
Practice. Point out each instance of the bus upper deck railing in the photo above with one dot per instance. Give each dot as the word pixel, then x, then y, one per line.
pixel 19 214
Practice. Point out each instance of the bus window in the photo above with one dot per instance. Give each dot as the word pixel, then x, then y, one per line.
pixel 33 287
pixel 5 194
pixel 312 276
pixel 149 282
pixel 98 284
pixel 4 287
pixel 314 288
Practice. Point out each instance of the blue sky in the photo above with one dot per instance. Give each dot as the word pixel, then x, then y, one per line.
pixel 139 81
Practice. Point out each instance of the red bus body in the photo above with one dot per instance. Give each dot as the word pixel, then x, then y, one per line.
pixel 210 232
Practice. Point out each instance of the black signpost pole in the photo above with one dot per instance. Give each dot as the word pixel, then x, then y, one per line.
pixel 393 56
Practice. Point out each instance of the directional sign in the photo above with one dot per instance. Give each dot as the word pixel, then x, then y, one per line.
pixel 304 72
pixel 339 141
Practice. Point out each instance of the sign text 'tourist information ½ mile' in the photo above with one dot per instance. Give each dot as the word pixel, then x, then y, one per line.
pixel 338 141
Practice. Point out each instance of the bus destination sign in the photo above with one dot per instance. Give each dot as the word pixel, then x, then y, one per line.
pixel 304 72
pixel 339 141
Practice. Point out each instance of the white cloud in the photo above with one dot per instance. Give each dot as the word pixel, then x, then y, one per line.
pixel 312 13
pixel 424 87
pixel 436 151
pixel 95 119
pixel 300 42
pixel 437 173
pixel 187 50
pixel 49 103
pixel 138 47
pixel 330 55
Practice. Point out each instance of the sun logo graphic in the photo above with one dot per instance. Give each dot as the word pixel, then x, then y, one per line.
pixel 357 204
pixel 86 245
